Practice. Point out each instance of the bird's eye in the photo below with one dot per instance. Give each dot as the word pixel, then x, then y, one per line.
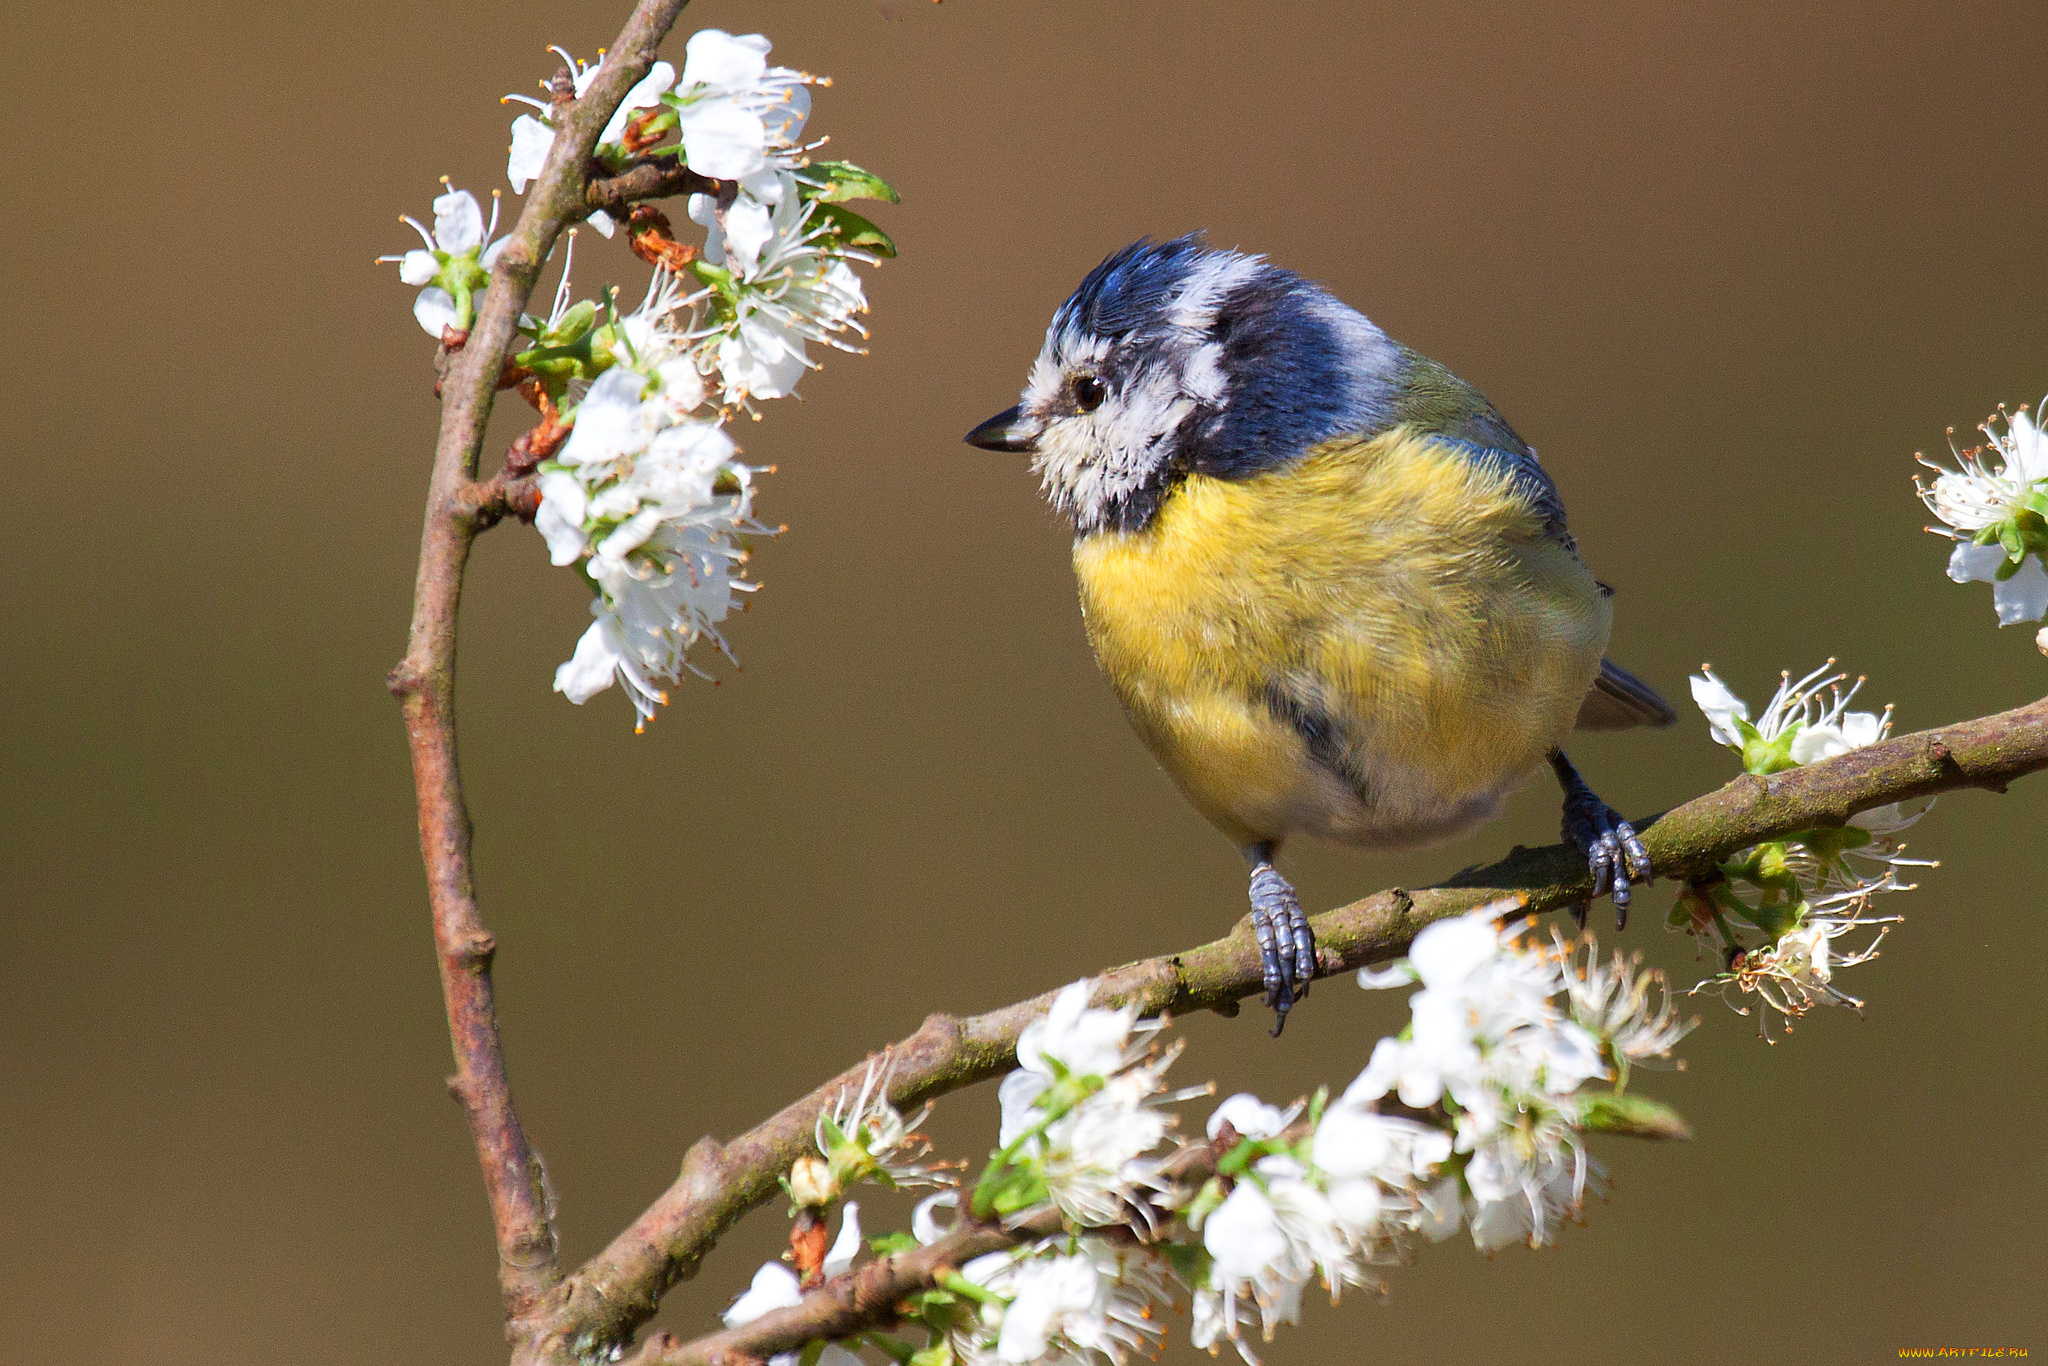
pixel 1089 391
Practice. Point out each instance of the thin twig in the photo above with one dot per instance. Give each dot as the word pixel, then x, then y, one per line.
pixel 616 1291
pixel 654 178
pixel 424 680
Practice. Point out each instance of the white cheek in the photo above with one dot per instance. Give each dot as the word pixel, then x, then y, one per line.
pixel 1068 468
pixel 1044 384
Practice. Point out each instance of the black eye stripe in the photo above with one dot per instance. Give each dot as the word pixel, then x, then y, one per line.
pixel 1089 391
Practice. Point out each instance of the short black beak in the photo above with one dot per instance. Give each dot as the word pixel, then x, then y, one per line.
pixel 1006 431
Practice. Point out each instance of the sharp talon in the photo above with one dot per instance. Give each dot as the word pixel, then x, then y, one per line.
pixel 1579 910
pixel 1287 944
pixel 1615 857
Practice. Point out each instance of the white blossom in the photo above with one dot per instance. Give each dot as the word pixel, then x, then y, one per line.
pixel 792 286
pixel 1483 1028
pixel 1070 1302
pixel 1082 1109
pixel 1272 1233
pixel 1990 490
pixel 1629 1010
pixel 1250 1117
pixel 647 495
pixel 533 138
pixel 865 1137
pixel 1527 1180
pixel 1071 1038
pixel 1379 1171
pixel 1487 1032
pixel 1796 973
pixel 459 251
pixel 734 110
pixel 1353 1140
pixel 1814 711
pixel 649 498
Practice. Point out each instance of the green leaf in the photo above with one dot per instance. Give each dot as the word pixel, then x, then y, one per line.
pixel 1608 1113
pixel 854 231
pixel 889 1244
pixel 838 181
pixel 897 1351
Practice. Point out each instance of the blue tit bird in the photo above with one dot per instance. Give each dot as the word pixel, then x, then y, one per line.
pixel 1333 589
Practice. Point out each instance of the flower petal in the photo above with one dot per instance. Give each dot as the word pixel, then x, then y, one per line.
pixel 724 141
pixel 418 267
pixel 774 1287
pixel 592 668
pixel 435 309
pixel 531 140
pixel 1250 1116
pixel 748 228
pixel 563 505
pixel 1720 706
pixel 1975 563
pixel 458 222
pixel 846 1246
pixel 715 57
pixel 2029 447
pixel 1447 952
pixel 2024 596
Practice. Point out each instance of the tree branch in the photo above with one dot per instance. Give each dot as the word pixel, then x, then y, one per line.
pixel 867 1298
pixel 424 680
pixel 654 178
pixel 616 1291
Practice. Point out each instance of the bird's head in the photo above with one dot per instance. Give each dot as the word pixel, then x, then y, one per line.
pixel 1175 358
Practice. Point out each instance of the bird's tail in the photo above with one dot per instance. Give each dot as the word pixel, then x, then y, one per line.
pixel 1620 700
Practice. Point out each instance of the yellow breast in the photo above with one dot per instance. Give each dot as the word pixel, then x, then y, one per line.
pixel 1374 644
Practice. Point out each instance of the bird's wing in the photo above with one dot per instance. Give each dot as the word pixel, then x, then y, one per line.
pixel 1431 399
pixel 1529 478
pixel 1620 700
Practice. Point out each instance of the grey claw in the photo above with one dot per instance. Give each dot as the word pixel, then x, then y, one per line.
pixel 1287 946
pixel 1615 856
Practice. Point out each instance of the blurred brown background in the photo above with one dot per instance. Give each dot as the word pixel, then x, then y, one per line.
pixel 1728 266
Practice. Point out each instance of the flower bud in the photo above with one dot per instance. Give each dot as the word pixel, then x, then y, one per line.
pixel 812 1184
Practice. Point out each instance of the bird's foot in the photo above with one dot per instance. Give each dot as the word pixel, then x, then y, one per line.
pixel 1615 855
pixel 1287 946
